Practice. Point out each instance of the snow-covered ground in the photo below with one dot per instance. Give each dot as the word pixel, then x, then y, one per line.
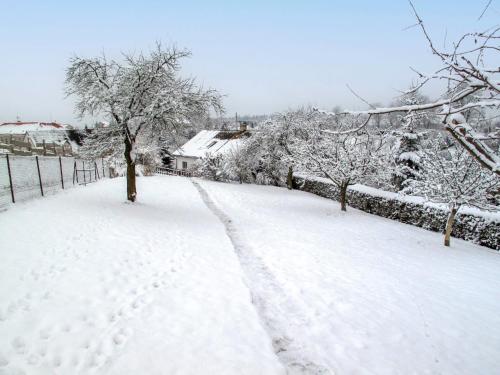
pixel 211 278
pixel 90 284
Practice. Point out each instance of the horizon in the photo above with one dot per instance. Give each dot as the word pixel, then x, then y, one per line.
pixel 264 58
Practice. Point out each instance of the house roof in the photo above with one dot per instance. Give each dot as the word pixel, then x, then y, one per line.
pixel 20 127
pixel 49 136
pixel 211 142
pixel 50 132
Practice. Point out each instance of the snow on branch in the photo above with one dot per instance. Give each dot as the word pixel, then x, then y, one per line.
pixel 473 81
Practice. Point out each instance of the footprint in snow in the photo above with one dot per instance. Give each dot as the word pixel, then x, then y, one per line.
pixel 3 360
pixel 44 334
pixel 66 328
pixel 120 337
pixel 42 351
pixel 19 345
pixel 46 296
pixel 56 361
pixel 12 371
pixel 33 359
pixel 12 308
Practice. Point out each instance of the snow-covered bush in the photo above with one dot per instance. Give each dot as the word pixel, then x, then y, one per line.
pixel 239 164
pixel 211 167
pixel 471 224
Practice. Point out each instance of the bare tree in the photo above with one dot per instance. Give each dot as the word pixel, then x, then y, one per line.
pixel 471 72
pixel 143 95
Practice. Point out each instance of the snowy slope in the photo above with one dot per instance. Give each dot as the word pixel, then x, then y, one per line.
pixel 210 278
pixel 363 294
pixel 90 284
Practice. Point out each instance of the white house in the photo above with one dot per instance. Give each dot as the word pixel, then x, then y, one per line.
pixel 47 138
pixel 206 142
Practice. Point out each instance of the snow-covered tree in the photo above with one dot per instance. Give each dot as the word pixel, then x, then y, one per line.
pixel 238 163
pixel 408 135
pixel 143 95
pixel 106 142
pixel 343 156
pixel 451 175
pixel 471 71
pixel 266 155
pixel 281 140
pixel 407 159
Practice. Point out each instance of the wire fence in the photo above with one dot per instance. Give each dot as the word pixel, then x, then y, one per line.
pixel 27 177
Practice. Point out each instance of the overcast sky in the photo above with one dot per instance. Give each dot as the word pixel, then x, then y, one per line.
pixel 265 56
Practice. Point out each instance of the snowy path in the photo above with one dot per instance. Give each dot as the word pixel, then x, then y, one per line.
pixel 283 316
pixel 92 285
pixel 375 296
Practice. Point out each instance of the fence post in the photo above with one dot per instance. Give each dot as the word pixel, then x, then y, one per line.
pixel 102 163
pixel 84 173
pixel 10 179
pixel 39 175
pixel 60 168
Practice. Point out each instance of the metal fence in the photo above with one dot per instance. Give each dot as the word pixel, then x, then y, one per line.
pixel 27 177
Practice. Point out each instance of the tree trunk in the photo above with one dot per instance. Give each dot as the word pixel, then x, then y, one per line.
pixel 289 178
pixel 130 159
pixel 449 224
pixel 343 196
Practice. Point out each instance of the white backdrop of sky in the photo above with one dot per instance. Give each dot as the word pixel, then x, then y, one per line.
pixel 265 56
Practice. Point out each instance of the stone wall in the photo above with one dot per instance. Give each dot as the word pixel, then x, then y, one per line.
pixel 475 228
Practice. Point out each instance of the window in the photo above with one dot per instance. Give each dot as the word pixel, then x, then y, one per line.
pixel 184 165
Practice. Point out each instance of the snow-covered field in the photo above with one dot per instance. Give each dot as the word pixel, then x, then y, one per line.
pixel 208 278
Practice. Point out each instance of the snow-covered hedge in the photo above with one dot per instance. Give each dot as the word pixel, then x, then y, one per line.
pixel 471 224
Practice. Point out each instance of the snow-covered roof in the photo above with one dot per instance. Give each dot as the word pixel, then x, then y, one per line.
pixel 49 136
pixel 211 142
pixel 23 127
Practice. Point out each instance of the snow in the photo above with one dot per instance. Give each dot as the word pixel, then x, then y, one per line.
pixel 205 142
pixel 38 132
pixel 13 128
pixel 90 284
pixel 409 156
pixel 209 278
pixel 366 295
pixel 49 136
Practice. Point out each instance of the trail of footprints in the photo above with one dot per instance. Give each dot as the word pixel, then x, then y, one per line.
pixel 110 331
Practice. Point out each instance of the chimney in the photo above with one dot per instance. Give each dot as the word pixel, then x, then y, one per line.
pixel 243 126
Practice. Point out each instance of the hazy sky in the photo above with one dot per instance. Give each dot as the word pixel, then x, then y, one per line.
pixel 266 56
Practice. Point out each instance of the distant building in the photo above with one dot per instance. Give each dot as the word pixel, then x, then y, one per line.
pixel 208 142
pixel 38 138
pixel 247 124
